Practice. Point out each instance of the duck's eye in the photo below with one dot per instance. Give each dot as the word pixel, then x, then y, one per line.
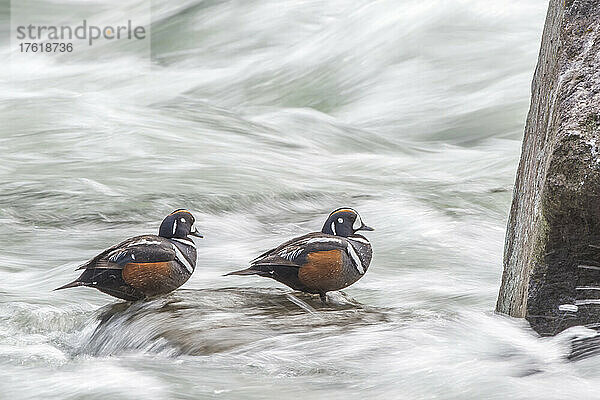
pixel 341 220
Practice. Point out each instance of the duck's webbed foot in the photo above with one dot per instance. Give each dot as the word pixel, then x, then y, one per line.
pixel 323 297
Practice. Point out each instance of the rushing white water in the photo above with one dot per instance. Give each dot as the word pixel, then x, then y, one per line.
pixel 261 117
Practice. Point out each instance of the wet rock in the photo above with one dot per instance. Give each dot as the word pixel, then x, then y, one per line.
pixel 552 251
pixel 210 321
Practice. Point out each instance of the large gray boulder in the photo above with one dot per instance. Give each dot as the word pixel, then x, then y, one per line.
pixel 552 251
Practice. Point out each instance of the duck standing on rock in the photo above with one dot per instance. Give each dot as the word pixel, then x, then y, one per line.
pixel 145 266
pixel 319 262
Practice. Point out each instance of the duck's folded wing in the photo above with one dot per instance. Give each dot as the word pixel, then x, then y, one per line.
pixel 295 252
pixel 139 250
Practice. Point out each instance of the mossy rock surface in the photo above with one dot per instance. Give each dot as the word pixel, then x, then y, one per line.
pixel 552 252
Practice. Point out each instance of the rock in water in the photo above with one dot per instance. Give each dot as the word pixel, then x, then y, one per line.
pixel 552 251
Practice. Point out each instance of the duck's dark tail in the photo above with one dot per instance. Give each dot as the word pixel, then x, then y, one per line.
pixel 247 271
pixel 75 283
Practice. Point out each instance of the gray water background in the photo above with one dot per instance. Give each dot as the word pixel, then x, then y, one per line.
pixel 261 117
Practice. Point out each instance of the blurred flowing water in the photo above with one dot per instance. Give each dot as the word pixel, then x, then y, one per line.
pixel 261 117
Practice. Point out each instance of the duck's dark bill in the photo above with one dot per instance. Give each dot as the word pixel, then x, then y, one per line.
pixel 195 233
pixel 366 228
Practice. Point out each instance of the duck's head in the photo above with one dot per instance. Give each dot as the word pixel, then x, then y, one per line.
pixel 178 224
pixel 344 222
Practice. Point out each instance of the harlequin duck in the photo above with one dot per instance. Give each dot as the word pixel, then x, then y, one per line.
pixel 145 266
pixel 319 262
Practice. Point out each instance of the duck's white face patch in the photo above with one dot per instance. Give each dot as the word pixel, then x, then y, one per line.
pixel 182 220
pixel 341 220
pixel 174 226
pixel 357 223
